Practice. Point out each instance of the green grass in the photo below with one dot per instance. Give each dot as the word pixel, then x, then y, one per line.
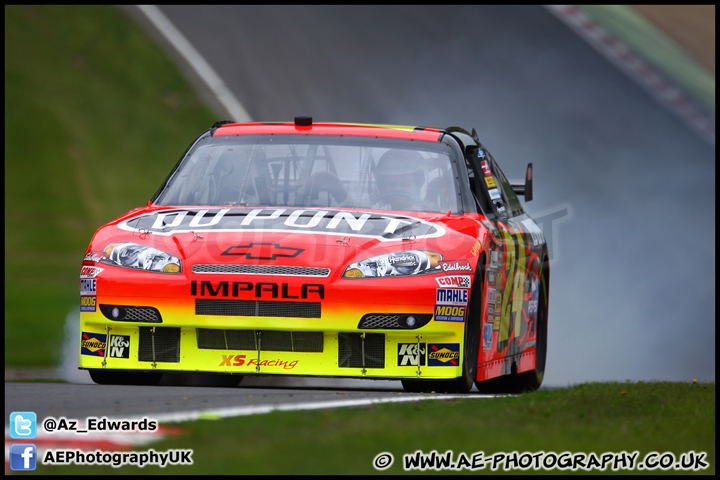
pixel 96 115
pixel 588 418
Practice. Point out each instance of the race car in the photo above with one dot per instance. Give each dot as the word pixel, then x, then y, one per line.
pixel 323 249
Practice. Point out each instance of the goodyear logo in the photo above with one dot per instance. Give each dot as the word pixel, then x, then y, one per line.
pixel 444 355
pixel 449 313
pixel 93 344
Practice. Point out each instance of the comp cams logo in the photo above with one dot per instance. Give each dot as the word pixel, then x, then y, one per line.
pixel 457 281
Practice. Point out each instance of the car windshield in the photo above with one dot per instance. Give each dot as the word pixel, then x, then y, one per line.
pixel 315 171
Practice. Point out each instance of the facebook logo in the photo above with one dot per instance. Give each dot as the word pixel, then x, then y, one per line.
pixel 23 424
pixel 23 456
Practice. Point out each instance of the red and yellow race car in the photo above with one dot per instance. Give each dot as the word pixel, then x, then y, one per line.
pixel 323 249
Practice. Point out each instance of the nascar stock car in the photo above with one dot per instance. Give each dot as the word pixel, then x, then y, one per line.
pixel 323 249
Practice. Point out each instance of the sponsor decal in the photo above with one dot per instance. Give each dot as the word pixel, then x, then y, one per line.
pixel 452 266
pixel 457 281
pixel 491 295
pixel 490 311
pixel 451 304
pixel 88 286
pixel 94 256
pixel 240 360
pixel 494 262
pixel 206 288
pixel 449 313
pixel 408 354
pixel 263 251
pixel 383 227
pixel 498 297
pixel 532 308
pixel 451 296
pixel 485 168
pixel 499 280
pixel 490 180
pixel 88 303
pixel 491 276
pixel 444 355
pixel 496 322
pixel 119 346
pixel 93 344
pixel 494 194
pixel 90 272
pixel 487 336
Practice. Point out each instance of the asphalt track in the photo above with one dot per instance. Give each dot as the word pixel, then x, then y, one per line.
pixel 624 188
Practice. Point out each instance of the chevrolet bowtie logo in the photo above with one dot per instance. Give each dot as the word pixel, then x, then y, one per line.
pixel 263 251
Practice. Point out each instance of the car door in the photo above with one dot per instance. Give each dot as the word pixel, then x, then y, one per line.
pixel 507 271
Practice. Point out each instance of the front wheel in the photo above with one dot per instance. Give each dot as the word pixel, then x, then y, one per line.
pixel 471 351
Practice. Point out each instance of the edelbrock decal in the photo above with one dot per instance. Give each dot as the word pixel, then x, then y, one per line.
pixel 383 227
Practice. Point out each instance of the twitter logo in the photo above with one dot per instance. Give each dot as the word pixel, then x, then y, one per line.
pixel 23 425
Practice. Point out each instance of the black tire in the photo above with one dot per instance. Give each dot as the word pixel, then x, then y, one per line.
pixel 211 380
pixel 224 380
pixel 531 380
pixel 114 377
pixel 472 346
pixel 200 379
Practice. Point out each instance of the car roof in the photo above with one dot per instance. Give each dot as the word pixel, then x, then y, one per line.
pixel 352 129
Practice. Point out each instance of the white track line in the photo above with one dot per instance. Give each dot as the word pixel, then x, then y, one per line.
pixel 197 62
pixel 226 412
pixel 636 68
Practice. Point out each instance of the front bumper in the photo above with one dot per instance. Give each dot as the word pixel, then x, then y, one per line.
pixel 331 345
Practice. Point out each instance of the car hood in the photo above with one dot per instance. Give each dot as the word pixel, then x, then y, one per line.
pixel 290 236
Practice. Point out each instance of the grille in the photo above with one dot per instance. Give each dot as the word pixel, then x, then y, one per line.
pixel 379 320
pixel 354 352
pixel 166 344
pixel 142 314
pixel 123 313
pixel 269 340
pixel 394 320
pixel 257 308
pixel 263 270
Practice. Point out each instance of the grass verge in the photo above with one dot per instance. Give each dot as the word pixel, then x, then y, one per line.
pixel 96 116
pixel 600 418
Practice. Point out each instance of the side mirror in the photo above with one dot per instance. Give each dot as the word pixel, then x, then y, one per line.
pixel 525 190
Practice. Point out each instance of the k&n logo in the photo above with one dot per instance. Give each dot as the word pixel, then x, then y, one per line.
pixel 408 354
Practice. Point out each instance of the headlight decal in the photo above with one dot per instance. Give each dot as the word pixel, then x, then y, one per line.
pixel 141 257
pixel 397 264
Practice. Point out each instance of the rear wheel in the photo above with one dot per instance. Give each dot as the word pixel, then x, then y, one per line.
pixel 531 380
pixel 114 377
pixel 471 351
